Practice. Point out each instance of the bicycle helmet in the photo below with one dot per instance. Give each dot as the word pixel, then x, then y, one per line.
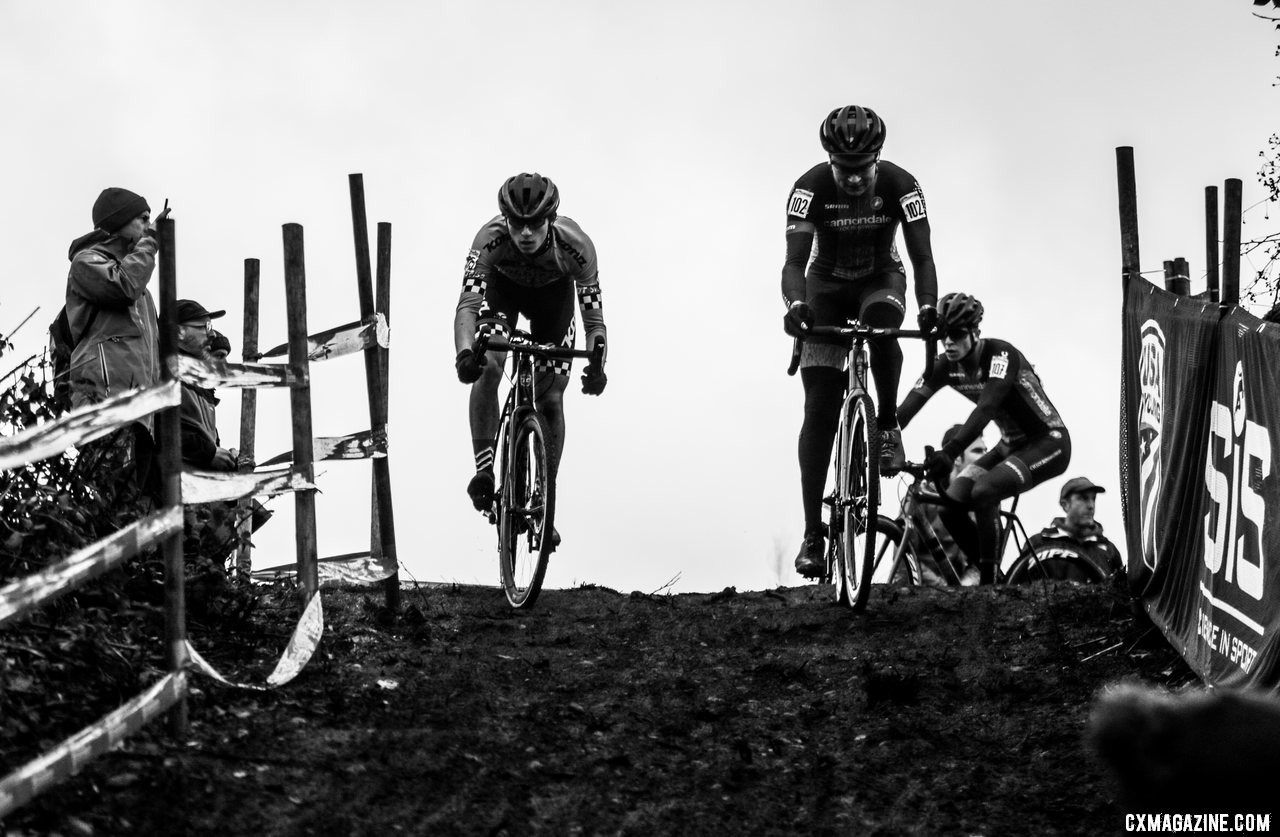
pixel 958 311
pixel 852 130
pixel 529 197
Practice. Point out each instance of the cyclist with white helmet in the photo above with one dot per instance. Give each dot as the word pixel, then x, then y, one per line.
pixel 527 260
pixel 843 218
pixel 1034 443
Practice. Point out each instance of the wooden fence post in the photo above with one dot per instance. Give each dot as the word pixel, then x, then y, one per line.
pixel 374 383
pixel 1211 241
pixel 384 526
pixel 168 426
pixel 1231 221
pixel 248 414
pixel 295 286
pixel 1129 258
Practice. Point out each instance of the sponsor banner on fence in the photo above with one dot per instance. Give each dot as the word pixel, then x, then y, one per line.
pixel 1199 473
pixel 302 645
pixel 85 424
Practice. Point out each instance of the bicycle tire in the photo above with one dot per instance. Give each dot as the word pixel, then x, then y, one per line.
pixel 1034 565
pixel 858 498
pixel 526 510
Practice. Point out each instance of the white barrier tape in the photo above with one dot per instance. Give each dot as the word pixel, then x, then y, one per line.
pixel 85 424
pixel 69 757
pixel 363 570
pixel 342 340
pixel 367 444
pixel 86 564
pixel 211 486
pixel 218 373
pixel 302 645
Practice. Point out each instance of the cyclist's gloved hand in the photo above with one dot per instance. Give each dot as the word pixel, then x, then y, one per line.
pixel 797 320
pixel 927 318
pixel 938 463
pixel 594 379
pixel 469 366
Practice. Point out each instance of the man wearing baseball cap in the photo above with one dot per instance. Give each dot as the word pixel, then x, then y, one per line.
pixel 201 446
pixel 1076 533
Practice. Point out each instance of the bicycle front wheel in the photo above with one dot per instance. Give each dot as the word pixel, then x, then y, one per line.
pixel 526 511
pixel 858 496
pixel 1035 565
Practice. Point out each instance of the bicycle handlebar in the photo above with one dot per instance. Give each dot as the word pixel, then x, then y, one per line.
pixel 520 343
pixel 860 331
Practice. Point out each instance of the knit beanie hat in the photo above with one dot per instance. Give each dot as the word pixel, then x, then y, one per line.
pixel 116 207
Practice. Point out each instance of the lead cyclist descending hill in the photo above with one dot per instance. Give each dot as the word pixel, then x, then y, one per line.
pixel 1034 443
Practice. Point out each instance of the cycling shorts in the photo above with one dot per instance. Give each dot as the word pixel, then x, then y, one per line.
pixel 548 309
pixel 1031 461
pixel 834 302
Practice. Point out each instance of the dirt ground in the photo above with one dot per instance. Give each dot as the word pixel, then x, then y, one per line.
pixel 598 712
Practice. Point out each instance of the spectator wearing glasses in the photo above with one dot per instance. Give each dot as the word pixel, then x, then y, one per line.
pixel 201 446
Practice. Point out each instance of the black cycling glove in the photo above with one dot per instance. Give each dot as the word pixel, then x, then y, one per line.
pixel 938 464
pixel 797 320
pixel 594 379
pixel 927 318
pixel 469 366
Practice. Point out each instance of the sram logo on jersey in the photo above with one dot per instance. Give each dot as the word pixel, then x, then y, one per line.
pixel 913 205
pixel 801 199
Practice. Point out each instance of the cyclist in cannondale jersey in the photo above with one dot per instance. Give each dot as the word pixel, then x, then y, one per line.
pixel 528 260
pixel 845 214
pixel 1034 444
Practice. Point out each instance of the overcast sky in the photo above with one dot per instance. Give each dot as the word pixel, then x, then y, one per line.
pixel 675 131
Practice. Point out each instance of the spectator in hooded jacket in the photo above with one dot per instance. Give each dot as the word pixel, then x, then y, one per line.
pixel 1077 533
pixel 113 321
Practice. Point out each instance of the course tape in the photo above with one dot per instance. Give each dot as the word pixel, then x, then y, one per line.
pixel 345 339
pixel 302 645
pixel 367 444
pixel 211 486
pixel 351 567
pixel 85 424
pixel 88 563
pixel 69 757
pixel 212 374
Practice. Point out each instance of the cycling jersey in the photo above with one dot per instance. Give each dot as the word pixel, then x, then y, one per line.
pixel 567 254
pixel 1005 388
pixel 854 237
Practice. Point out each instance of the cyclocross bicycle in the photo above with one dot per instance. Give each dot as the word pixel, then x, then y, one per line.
pixel 853 503
pixel 524 503
pixel 909 539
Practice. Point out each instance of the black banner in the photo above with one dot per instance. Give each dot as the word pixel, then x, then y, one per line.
pixel 1201 402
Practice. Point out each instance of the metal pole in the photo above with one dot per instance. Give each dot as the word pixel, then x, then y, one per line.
pixel 295 287
pixel 1128 212
pixel 169 434
pixel 1211 241
pixel 373 377
pixel 385 532
pixel 1231 221
pixel 248 414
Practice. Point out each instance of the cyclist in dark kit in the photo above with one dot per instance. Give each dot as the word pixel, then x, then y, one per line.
pixel 1034 445
pixel 846 213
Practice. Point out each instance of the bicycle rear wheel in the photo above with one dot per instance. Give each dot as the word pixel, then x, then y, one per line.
pixel 858 499
pixel 1032 566
pixel 526 511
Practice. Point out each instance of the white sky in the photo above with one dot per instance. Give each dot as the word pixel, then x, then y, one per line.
pixel 675 131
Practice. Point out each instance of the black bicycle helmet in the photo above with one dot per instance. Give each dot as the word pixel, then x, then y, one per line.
pixel 529 197
pixel 957 311
pixel 854 130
